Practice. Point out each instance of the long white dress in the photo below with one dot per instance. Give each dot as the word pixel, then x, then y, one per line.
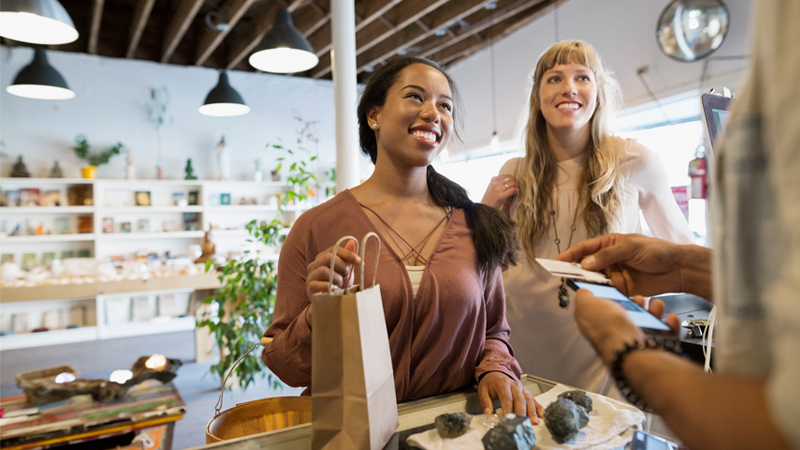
pixel 545 337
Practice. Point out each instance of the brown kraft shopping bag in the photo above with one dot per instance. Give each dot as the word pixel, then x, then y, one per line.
pixel 352 380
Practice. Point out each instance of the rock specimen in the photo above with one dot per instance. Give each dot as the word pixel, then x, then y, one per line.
pixel 563 418
pixel 581 398
pixel 452 425
pixel 512 433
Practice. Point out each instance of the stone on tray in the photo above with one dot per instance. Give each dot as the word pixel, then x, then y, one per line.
pixel 453 424
pixel 512 433
pixel 563 418
pixel 581 398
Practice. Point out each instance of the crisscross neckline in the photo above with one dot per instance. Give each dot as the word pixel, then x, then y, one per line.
pixel 421 243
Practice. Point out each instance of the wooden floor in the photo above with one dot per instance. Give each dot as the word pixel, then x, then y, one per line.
pixel 96 359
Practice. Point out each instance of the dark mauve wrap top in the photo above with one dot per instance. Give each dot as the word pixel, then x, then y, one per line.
pixel 454 331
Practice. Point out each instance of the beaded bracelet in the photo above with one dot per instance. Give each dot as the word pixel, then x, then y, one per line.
pixel 650 342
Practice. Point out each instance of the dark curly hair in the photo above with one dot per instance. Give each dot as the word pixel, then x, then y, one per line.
pixel 493 233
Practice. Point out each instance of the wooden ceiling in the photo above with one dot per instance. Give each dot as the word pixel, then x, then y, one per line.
pixel 186 32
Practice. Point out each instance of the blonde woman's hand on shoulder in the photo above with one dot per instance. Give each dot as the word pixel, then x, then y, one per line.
pixel 501 192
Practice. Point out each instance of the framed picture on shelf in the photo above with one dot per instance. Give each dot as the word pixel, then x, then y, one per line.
pixel 193 197
pixel 67 254
pixel 29 197
pixel 84 253
pixel 225 198
pixel 51 319
pixel 61 225
pixel 11 198
pixel 47 258
pixel 77 317
pixel 108 224
pixel 143 226
pixel 142 198
pixel 191 221
pixel 125 227
pixel 51 198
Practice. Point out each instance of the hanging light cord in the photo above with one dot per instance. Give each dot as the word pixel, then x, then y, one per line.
pixel 494 95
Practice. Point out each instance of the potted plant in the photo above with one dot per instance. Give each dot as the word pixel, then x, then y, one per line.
pixel 94 159
pixel 300 179
pixel 240 311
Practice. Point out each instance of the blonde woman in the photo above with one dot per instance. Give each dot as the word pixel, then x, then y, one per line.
pixel 575 182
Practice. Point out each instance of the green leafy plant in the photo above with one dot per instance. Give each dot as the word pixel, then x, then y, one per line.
pixel 95 159
pixel 241 309
pixel 300 178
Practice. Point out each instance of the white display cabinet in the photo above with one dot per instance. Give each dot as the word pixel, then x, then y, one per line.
pixel 110 219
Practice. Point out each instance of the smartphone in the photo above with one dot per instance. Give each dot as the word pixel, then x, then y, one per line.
pixel 647 441
pixel 647 322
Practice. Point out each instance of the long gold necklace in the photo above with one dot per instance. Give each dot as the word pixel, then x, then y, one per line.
pixel 563 295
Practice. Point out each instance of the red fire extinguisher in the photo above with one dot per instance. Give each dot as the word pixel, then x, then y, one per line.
pixel 697 172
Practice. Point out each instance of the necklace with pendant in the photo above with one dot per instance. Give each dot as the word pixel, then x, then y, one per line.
pixel 563 295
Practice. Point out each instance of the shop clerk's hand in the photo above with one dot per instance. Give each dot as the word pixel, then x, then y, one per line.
pixel 513 396
pixel 319 271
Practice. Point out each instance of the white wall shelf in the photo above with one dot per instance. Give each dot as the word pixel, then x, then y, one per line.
pixel 239 208
pixel 141 236
pixel 35 182
pixel 150 209
pixel 26 340
pixel 75 237
pixel 46 210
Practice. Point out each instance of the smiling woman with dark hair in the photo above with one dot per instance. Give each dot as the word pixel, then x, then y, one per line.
pixel 440 265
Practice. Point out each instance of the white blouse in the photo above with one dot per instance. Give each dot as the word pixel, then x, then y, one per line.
pixel 545 337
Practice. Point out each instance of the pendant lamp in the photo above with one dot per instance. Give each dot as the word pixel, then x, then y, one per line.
pixel 223 100
pixel 40 80
pixel 283 49
pixel 43 22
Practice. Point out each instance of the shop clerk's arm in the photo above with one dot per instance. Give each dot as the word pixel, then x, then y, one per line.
pixel 705 411
pixel 498 371
pixel 288 355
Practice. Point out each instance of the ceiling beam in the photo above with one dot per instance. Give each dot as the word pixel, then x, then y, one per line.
pixel 183 17
pixel 140 16
pixel 231 12
pixel 405 14
pixel 314 15
pixel 94 29
pixel 245 44
pixel 501 19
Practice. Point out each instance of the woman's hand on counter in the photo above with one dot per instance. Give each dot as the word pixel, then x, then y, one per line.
pixel 513 396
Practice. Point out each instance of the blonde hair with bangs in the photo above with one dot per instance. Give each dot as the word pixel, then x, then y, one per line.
pixel 600 181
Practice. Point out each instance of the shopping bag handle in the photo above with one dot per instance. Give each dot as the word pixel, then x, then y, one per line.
pixel 363 259
pixel 333 258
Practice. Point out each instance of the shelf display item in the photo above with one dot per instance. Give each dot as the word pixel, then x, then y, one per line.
pixel 84 253
pixel 77 317
pixel 11 198
pixel 225 198
pixel 51 198
pixel 223 160
pixel 125 227
pixel 56 172
pixel 140 309
pixel 166 305
pixel 19 170
pixel 118 310
pixel 80 195
pixel 52 319
pixel 47 258
pixel 208 248
pixel 130 167
pixel 7 258
pixel 61 225
pixel 193 197
pixel 142 198
pixel 191 221
pixel 29 261
pixel 108 225
pixel 143 226
pixel 19 322
pixel 169 226
pixel 189 170
pixel 29 197
pixel 85 224
pixel 179 199
pixel 66 254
